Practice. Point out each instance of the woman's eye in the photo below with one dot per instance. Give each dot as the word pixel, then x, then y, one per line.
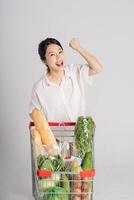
pixel 52 54
pixel 60 52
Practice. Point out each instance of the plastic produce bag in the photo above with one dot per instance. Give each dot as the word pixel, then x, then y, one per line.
pixel 84 133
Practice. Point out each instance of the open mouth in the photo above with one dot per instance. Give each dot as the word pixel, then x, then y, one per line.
pixel 59 64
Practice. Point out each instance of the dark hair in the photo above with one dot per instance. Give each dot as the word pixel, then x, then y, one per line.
pixel 44 44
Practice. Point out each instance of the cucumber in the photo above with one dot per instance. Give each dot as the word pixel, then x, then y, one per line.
pixel 87 162
pixel 65 182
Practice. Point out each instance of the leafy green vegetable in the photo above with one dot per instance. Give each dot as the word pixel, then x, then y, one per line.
pixel 55 163
pixel 58 163
pixel 56 193
pixel 84 132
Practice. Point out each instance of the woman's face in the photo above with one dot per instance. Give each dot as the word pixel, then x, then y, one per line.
pixel 54 57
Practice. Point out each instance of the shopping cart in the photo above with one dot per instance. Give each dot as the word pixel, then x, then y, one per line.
pixel 80 183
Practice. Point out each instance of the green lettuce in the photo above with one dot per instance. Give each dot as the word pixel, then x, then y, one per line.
pixel 84 133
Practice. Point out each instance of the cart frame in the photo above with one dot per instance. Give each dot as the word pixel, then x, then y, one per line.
pixel 40 173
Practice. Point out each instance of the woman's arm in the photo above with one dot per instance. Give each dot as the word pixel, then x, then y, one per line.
pixel 94 65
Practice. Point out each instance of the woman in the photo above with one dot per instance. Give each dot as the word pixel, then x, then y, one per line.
pixel 60 92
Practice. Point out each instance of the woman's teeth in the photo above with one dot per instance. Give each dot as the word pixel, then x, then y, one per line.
pixel 59 63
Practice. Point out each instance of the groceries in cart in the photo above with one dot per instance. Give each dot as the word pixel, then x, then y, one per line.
pixel 64 168
pixel 47 136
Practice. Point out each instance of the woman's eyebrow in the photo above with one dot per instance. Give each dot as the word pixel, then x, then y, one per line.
pixel 54 51
pixel 51 52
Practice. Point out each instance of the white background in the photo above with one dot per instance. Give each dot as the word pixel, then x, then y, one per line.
pixel 105 28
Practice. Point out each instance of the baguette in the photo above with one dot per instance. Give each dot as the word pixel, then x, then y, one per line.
pixel 36 142
pixel 45 132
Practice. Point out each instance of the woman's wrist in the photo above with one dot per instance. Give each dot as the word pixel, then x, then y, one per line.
pixel 79 49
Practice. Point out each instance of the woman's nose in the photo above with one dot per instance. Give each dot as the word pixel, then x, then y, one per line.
pixel 57 56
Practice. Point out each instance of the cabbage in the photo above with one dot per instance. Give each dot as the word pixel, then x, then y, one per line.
pixel 56 193
pixel 46 183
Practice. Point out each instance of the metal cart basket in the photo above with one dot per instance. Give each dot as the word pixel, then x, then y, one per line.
pixel 80 183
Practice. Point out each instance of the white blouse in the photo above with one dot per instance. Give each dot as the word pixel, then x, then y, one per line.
pixel 64 102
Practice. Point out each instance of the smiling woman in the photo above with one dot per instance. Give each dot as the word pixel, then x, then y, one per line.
pixel 54 59
pixel 60 93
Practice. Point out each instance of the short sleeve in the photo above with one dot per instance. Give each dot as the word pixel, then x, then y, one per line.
pixel 34 103
pixel 84 73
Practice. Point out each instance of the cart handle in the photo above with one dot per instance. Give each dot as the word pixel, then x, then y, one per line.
pixel 56 124
pixel 83 174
